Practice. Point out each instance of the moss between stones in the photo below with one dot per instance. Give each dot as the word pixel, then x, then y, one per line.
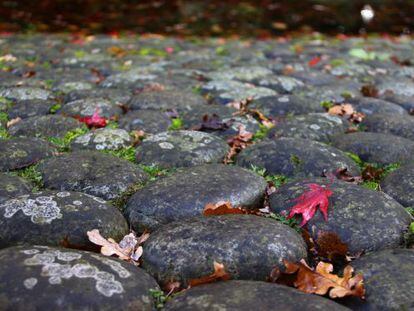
pixel 31 174
pixel 63 144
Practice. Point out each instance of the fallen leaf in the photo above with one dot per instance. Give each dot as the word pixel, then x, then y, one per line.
pixel 343 174
pixel 128 249
pixel 219 274
pixel 212 122
pixel 341 110
pixel 330 245
pixel 309 201
pixel 94 121
pixel 314 61
pixel 237 143
pixel 13 122
pixel 321 281
pixel 222 208
pixel 369 90
pixel 370 173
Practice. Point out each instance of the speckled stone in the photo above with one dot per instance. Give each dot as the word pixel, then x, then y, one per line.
pixel 163 100
pixel 364 219
pixel 225 91
pixel 181 149
pixel 247 296
pixel 295 157
pixel 20 152
pixel 281 105
pixel 87 107
pixel 281 84
pixel 400 185
pixel 248 246
pixel 30 108
pixel 12 186
pixel 103 139
pixel 388 280
pixel 46 126
pixel 372 106
pixel 313 126
pixel 120 96
pixel 376 147
pixel 185 193
pixel 398 125
pixel 91 172
pixel 195 116
pixel 58 219
pixel 149 121
pixel 245 73
pixel 41 278
pixel 25 93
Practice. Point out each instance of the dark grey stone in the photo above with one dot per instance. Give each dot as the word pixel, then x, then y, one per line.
pixel 87 107
pixel 248 246
pixel 372 106
pixel 247 296
pixel 91 172
pixel 103 139
pixel 58 219
pixel 25 93
pixel 364 219
pixel 12 186
pixel 41 278
pixel 149 121
pixel 398 125
pixel 295 157
pixel 313 126
pixel 30 108
pixel 181 149
pixel 388 280
pixel 185 193
pixel 21 152
pixel 376 147
pixel 45 126
pixel 400 185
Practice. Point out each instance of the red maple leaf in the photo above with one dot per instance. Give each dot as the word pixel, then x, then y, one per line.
pixel 95 120
pixel 314 61
pixel 309 201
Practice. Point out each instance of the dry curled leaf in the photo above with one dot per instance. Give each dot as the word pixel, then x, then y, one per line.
pixel 222 208
pixel 330 245
pixel 348 111
pixel 219 274
pixel 13 122
pixel 322 281
pixel 238 143
pixel 369 90
pixel 212 122
pixel 128 249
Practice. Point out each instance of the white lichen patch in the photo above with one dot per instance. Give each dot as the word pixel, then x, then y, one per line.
pixel 30 283
pixel 114 265
pixel 166 145
pixel 57 272
pixel 105 139
pixel 63 194
pixel 41 209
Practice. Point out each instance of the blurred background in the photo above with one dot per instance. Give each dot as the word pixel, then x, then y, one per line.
pixel 260 18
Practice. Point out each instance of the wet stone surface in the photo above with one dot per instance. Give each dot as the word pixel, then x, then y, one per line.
pixel 184 194
pixel 394 289
pixel 295 157
pixel 397 125
pixel 58 219
pixel 313 126
pixel 30 108
pixel 44 277
pixel 248 246
pixel 45 126
pixel 248 295
pixel 181 149
pixel 94 173
pixel 103 139
pixel 12 186
pixel 375 147
pixel 18 153
pixel 400 185
pixel 149 121
pixel 87 107
pixel 364 219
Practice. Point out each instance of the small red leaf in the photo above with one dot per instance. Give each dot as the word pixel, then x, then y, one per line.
pixel 314 61
pixel 95 120
pixel 309 201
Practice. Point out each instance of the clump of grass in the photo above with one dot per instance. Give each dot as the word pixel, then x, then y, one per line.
pixel 63 144
pixel 326 104
pixel 121 200
pixel 155 171
pixel 159 298
pixel 127 153
pixel 55 108
pixel 276 180
pixel 261 133
pixel 31 174
pixel 292 222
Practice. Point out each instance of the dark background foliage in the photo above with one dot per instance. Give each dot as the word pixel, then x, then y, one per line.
pixel 202 17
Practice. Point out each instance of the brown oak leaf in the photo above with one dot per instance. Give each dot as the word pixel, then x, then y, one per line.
pixel 219 274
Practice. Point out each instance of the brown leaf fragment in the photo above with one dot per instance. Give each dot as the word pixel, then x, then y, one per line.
pixel 330 245
pixel 348 111
pixel 321 281
pixel 237 143
pixel 13 122
pixel 369 90
pixel 219 274
pixel 372 173
pixel 212 122
pixel 222 208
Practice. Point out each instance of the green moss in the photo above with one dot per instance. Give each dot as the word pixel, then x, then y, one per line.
pixel 127 153
pixel 80 54
pixel 176 124
pixel 63 144
pixel 3 133
pixel 355 158
pixel 55 108
pixel 112 124
pixel 261 133
pixel 159 298
pixel 326 104
pixel 337 62
pixel 121 200
pixel 155 171
pixel 4 117
pixel 373 185
pixel 148 51
pixel 277 180
pixel 292 222
pixel 295 160
pixel 222 51
pixel 31 174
